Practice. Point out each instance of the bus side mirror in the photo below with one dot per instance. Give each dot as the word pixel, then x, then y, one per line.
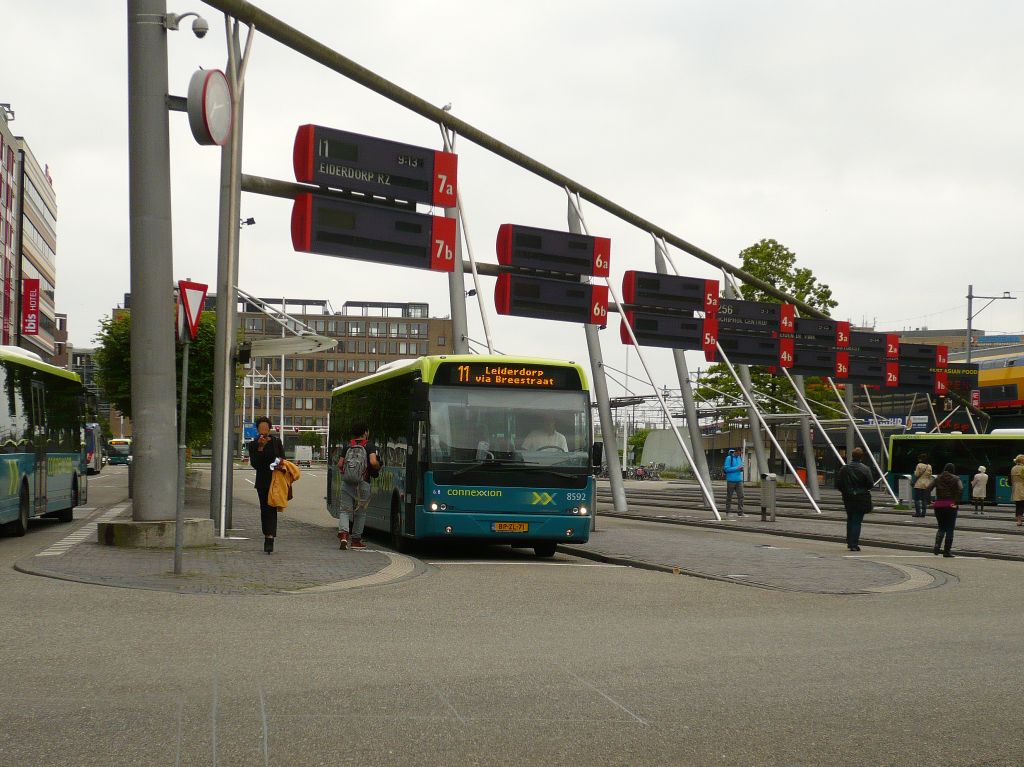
pixel 597 453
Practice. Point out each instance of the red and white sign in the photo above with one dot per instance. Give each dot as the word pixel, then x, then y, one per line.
pixel 975 397
pixel 30 307
pixel 191 298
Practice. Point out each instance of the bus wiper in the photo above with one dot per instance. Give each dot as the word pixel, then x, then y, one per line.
pixel 490 463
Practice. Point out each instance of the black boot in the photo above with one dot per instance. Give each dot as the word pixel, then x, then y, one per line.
pixel 268 545
pixel 938 543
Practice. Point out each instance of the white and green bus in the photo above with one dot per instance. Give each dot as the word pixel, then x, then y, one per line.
pixel 41 434
pixel 478 447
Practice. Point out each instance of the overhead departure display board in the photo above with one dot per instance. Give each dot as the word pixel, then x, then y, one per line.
pixel 551 250
pixel 654 291
pixel 334 227
pixel 523 295
pixel 340 159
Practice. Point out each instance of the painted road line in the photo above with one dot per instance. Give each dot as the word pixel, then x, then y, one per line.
pixel 84 532
pixel 538 564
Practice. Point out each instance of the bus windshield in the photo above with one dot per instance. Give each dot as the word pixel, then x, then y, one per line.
pixel 508 427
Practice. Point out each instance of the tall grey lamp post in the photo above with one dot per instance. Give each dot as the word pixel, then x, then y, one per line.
pixel 971 314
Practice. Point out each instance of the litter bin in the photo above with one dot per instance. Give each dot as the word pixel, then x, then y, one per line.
pixel 768 484
pixel 905 488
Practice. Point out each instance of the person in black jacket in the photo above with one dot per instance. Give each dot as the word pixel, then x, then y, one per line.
pixel 948 490
pixel 855 483
pixel 263 451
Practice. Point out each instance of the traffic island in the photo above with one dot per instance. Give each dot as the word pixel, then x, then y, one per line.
pixel 158 534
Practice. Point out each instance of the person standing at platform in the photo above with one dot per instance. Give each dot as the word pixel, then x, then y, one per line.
pixel 1017 487
pixel 855 483
pixel 733 482
pixel 948 490
pixel 979 489
pixel 922 485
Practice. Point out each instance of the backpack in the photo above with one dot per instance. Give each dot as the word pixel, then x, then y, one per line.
pixel 354 464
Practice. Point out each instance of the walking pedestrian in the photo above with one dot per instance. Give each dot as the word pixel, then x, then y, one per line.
pixel 265 455
pixel 1017 486
pixel 855 483
pixel 979 489
pixel 922 485
pixel 358 464
pixel 948 490
pixel 733 482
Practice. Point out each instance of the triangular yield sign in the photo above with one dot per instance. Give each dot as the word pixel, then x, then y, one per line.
pixel 192 296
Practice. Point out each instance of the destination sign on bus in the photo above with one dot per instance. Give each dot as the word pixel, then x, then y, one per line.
pixel 334 227
pixel 513 376
pixel 342 160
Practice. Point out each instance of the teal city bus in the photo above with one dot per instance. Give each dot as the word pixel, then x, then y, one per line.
pixel 41 431
pixel 965 451
pixel 488 448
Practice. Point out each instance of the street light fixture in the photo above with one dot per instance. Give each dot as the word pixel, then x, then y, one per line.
pixel 971 315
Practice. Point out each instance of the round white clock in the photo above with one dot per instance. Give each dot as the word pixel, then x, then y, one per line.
pixel 209 107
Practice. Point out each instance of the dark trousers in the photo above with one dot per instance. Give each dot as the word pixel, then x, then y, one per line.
pixel 921 497
pixel 947 524
pixel 268 514
pixel 853 522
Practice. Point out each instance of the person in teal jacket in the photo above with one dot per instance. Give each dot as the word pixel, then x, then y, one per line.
pixel 734 482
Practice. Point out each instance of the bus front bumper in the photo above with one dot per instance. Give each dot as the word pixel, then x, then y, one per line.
pixel 500 527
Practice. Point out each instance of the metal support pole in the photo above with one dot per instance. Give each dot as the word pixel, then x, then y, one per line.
pixel 752 414
pixel 149 191
pixel 970 318
pixel 757 414
pixel 801 395
pixel 971 419
pixel 221 473
pixel 805 437
pixel 935 416
pixel 179 513
pixel 910 412
pixel 686 390
pixel 884 452
pixel 604 407
pixel 951 414
pixel 849 449
pixel 851 430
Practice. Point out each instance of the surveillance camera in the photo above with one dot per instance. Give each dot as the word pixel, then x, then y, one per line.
pixel 200 27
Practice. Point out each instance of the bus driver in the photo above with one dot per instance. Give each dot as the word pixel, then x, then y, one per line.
pixel 546 438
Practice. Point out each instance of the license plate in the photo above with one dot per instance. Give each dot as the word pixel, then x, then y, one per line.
pixel 510 527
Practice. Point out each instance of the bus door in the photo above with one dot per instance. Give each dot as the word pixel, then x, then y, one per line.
pixel 39 443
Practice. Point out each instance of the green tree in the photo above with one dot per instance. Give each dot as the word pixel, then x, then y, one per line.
pixel 776 264
pixel 114 371
pixel 311 438
pixel 636 444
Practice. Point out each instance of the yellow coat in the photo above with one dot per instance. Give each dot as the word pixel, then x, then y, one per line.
pixel 281 484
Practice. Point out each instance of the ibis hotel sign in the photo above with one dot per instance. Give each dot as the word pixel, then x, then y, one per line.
pixel 30 307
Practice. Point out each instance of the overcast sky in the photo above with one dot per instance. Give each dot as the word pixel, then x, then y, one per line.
pixel 880 141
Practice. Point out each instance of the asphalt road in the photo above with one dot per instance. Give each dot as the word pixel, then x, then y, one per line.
pixel 492 657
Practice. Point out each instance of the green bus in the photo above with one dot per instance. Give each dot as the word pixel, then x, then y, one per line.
pixel 965 451
pixel 479 447
pixel 41 430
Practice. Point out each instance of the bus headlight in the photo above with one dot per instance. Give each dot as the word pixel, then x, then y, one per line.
pixel 583 511
pixel 433 507
pixel 568 533
pixel 443 507
pixel 448 529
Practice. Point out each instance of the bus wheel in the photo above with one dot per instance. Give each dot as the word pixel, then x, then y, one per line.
pixel 545 549
pixel 399 542
pixel 68 514
pixel 19 526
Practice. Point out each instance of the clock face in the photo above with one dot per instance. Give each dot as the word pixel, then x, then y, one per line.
pixel 217 107
pixel 209 107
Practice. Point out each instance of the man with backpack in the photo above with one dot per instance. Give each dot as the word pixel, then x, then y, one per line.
pixel 358 464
